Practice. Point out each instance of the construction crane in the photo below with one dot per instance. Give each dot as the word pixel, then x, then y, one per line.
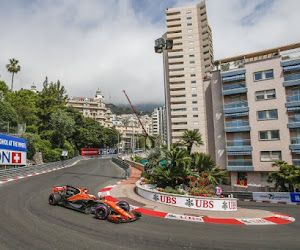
pixel 135 113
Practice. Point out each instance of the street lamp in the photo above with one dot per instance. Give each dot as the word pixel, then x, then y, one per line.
pixel 160 47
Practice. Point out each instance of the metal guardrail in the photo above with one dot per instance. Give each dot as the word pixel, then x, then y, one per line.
pixel 26 170
pixel 123 165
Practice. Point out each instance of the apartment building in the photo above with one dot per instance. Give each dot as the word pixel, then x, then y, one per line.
pixel 186 65
pixel 255 100
pixel 159 126
pixel 94 108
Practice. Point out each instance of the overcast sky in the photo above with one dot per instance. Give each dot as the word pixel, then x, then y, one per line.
pixel 108 44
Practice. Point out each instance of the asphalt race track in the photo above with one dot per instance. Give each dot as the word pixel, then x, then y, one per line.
pixel 29 222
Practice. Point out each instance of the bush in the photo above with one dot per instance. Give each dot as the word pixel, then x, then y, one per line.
pixel 172 191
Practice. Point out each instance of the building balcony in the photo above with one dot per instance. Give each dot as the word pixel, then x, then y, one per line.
pixel 239 145
pixel 237 126
pixel 292 101
pixel 240 165
pixel 235 88
pixel 294 122
pixel 296 162
pixel 238 64
pixel 295 143
pixel 236 107
pixel 291 80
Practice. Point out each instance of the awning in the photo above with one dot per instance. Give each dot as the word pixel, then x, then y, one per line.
pixel 293 109
pixel 236 114
pixel 233 78
pixel 291 68
pixel 239 153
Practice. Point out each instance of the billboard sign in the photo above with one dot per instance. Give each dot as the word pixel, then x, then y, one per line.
pixel 295 197
pixel 13 150
pixel 97 151
pixel 272 196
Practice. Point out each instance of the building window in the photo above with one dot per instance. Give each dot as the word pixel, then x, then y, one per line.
pixel 195 109
pixel 191 36
pixel 192 68
pixel 196 129
pixel 189 24
pixel 190 30
pixel 189 18
pixel 193 81
pixel 191 42
pixel 194 95
pixel 192 62
pixel 264 176
pixel 270 156
pixel 194 88
pixel 195 116
pixel 263 75
pixel 191 55
pixel 269 135
pixel 196 123
pixel 193 75
pixel 191 49
pixel 205 52
pixel 267 115
pixel 265 95
pixel 194 102
pixel 188 12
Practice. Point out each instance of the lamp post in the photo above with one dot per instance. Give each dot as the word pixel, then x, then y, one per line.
pixel 160 47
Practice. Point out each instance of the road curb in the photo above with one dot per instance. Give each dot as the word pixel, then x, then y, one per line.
pixel 276 219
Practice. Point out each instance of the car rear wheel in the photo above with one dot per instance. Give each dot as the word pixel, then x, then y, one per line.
pixel 102 212
pixel 124 205
pixel 54 199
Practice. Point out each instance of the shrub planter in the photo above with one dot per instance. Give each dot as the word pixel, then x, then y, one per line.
pixel 187 201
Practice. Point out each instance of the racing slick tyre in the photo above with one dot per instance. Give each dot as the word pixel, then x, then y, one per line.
pixel 54 199
pixel 102 212
pixel 124 205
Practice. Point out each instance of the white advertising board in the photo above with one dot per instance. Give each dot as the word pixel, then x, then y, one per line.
pixel 272 196
pixel 10 157
pixel 190 202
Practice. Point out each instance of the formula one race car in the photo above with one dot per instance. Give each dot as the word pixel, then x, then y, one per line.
pixel 79 199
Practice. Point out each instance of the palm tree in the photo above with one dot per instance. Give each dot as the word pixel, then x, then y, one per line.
pixel 206 165
pixel 13 68
pixel 191 137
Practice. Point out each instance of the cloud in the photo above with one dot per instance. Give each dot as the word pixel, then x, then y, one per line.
pixel 109 44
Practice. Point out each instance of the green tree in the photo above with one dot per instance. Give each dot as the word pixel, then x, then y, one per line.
pixel 13 68
pixel 89 135
pixel 25 103
pixel 52 97
pixel 287 177
pixel 189 138
pixel 109 138
pixel 3 90
pixel 8 113
pixel 62 125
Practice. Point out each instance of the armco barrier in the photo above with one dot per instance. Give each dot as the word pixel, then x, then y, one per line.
pixel 195 202
pixel 11 173
pixel 124 165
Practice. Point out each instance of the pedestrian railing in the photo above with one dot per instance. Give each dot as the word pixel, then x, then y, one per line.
pixel 126 166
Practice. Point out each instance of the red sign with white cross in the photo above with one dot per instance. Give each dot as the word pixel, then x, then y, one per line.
pixel 16 157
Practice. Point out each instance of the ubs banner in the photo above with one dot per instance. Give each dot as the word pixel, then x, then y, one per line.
pixel 98 151
pixel 13 150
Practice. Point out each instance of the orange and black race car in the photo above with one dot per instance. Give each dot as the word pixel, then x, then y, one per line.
pixel 79 199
